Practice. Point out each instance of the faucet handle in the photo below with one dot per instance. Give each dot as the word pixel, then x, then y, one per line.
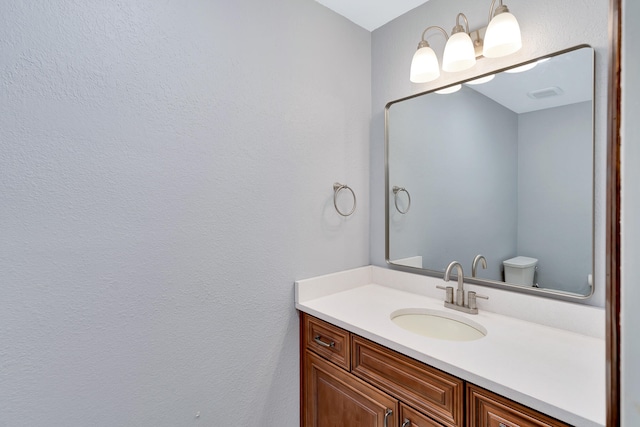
pixel 449 296
pixel 471 295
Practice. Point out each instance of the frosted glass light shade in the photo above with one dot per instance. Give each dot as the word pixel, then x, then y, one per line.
pixel 502 37
pixel 521 68
pixel 424 66
pixel 482 80
pixel 448 90
pixel 459 54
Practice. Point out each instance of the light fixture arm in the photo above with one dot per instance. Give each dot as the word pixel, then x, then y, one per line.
pixel 501 8
pixel 424 43
pixel 459 28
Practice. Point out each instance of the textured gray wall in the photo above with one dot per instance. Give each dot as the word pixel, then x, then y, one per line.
pixel 547 27
pixel 463 179
pixel 555 221
pixel 166 173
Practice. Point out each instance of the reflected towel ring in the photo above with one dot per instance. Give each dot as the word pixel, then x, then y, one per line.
pixel 337 187
pixel 397 190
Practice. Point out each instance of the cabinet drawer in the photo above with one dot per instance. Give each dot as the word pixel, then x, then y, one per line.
pixel 327 340
pixel 487 409
pixel 409 417
pixel 427 389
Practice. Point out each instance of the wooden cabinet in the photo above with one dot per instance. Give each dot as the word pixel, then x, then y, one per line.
pixel 348 381
pixel 488 409
pixel 429 390
pixel 409 417
pixel 328 341
pixel 335 398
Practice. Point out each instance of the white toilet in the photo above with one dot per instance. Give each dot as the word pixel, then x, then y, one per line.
pixel 520 270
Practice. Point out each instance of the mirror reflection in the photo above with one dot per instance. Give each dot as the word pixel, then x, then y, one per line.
pixel 503 168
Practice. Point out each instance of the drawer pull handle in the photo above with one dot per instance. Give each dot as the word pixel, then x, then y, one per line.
pixel 406 423
pixel 502 425
pixel 386 417
pixel 322 343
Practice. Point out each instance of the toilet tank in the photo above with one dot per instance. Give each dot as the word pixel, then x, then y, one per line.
pixel 520 270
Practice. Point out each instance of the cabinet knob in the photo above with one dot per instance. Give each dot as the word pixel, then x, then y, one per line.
pixel 406 423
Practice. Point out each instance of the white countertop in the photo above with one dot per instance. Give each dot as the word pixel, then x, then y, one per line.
pixel 556 371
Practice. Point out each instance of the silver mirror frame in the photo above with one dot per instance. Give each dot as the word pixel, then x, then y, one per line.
pixel 543 292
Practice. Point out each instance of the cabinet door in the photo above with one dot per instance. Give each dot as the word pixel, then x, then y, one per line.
pixel 335 398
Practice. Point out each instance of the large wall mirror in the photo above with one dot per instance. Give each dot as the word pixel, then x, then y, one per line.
pixel 501 168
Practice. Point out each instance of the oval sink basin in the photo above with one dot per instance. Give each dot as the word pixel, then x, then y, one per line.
pixel 438 324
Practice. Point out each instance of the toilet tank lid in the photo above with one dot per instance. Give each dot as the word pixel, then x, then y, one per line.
pixel 520 261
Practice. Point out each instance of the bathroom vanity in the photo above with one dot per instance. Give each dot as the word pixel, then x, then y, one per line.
pixel 545 367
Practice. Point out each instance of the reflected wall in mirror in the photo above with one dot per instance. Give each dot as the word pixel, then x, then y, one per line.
pixel 503 169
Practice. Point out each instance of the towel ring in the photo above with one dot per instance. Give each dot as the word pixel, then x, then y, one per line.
pixel 337 187
pixel 397 190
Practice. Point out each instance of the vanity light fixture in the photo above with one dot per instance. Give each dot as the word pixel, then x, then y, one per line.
pixel 502 37
pixel 503 33
pixel 459 53
pixel 425 66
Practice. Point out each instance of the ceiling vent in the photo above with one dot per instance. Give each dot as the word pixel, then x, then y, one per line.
pixel 545 93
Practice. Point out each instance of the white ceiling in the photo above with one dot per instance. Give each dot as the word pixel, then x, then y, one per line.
pixel 371 14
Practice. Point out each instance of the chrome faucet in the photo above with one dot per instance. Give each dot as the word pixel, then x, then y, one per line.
pixel 460 290
pixel 459 304
pixel 474 266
